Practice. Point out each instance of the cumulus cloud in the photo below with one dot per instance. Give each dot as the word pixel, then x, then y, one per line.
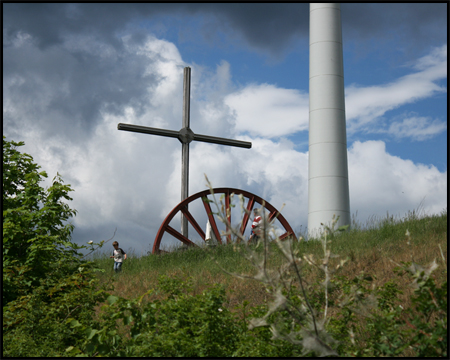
pixel 380 183
pixel 273 170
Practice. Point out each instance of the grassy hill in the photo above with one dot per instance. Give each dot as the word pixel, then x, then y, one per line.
pixel 375 250
pixel 362 307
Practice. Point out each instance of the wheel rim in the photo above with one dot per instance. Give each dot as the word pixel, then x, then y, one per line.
pixel 182 207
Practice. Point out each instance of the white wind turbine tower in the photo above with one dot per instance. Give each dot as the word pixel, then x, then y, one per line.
pixel 328 189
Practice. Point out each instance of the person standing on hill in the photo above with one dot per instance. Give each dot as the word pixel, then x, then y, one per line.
pixel 255 234
pixel 119 255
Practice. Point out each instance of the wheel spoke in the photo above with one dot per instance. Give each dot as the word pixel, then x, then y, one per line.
pixel 285 235
pixel 212 221
pixel 272 215
pixel 179 236
pixel 251 203
pixel 194 223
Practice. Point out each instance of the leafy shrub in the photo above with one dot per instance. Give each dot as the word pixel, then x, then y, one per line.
pixel 179 325
pixel 35 324
pixel 45 278
pixel 36 237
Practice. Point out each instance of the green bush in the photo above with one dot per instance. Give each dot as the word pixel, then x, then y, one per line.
pixel 36 235
pixel 35 324
pixel 45 278
pixel 179 325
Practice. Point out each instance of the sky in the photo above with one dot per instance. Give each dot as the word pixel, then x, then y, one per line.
pixel 72 72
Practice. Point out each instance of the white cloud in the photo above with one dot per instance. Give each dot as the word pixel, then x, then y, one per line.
pixel 209 114
pixel 380 182
pixel 364 105
pixel 273 170
pixel 416 127
pixel 268 111
pixel 436 58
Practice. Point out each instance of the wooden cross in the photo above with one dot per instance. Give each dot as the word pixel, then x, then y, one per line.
pixel 185 135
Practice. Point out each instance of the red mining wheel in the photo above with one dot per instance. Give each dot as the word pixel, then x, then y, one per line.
pixel 182 207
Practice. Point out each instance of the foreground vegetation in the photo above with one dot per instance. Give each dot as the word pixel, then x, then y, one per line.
pixel 377 291
pixel 379 303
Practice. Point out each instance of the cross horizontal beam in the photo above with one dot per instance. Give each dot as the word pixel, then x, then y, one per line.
pixel 148 130
pixel 185 135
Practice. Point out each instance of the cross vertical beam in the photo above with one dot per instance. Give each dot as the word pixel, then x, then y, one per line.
pixel 185 146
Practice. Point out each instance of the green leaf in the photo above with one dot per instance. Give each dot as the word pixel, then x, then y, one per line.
pixel 91 333
pixel 111 299
pixel 74 323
